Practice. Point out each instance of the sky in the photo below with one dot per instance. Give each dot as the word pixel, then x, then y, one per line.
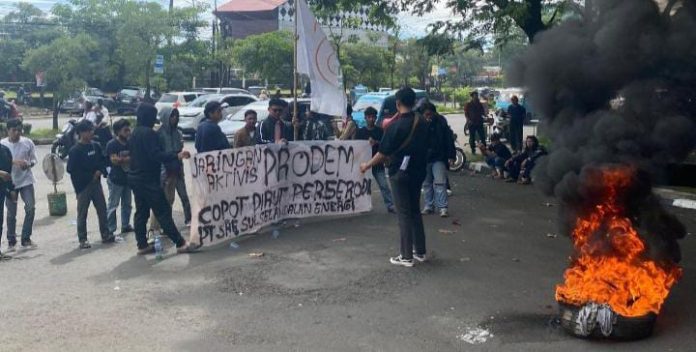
pixel 412 26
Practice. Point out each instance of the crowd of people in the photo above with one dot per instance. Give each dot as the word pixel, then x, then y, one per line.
pixel 410 154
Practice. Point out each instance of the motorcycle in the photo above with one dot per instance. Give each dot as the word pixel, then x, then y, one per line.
pixel 501 124
pixel 460 159
pixel 64 140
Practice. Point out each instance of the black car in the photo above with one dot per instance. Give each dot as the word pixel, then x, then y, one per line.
pixel 128 98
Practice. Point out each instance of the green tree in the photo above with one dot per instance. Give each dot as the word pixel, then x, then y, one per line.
pixel 269 56
pixel 28 27
pixel 143 29
pixel 366 64
pixel 65 62
pixel 478 18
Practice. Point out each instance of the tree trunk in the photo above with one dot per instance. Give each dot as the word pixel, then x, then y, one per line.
pixel 147 97
pixel 532 24
pixel 56 109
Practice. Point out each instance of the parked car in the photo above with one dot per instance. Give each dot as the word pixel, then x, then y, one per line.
pixel 75 105
pixel 177 99
pixel 384 103
pixel 128 98
pixel 223 91
pixel 256 90
pixel 190 116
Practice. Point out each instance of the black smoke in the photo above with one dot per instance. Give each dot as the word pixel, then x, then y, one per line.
pixel 617 87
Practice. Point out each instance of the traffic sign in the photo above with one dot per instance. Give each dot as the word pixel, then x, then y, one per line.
pixel 159 64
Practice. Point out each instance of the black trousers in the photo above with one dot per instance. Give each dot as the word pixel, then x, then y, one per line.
pixel 406 190
pixel 473 131
pixel 516 136
pixel 150 196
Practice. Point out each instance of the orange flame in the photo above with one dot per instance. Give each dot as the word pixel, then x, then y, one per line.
pixel 611 266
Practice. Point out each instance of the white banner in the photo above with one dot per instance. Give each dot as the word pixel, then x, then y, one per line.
pixel 316 58
pixel 239 191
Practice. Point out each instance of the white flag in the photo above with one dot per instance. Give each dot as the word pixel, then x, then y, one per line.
pixel 316 58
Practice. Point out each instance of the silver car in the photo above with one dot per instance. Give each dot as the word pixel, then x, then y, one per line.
pixel 191 116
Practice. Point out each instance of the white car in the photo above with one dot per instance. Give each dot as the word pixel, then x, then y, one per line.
pixel 223 91
pixel 177 99
pixel 191 116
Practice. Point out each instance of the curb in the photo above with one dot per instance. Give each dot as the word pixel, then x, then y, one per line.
pixel 42 141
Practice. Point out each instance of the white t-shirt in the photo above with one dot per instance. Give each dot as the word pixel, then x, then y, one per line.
pixel 25 150
pixel 91 116
pixel 105 112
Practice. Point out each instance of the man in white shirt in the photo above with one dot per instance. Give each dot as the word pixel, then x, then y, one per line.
pixel 23 159
pixel 89 113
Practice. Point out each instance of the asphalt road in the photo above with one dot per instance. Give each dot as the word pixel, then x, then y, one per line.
pixel 323 286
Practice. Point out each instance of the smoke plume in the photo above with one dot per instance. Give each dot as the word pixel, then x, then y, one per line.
pixel 616 88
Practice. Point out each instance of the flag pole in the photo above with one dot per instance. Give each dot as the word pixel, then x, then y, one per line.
pixel 296 127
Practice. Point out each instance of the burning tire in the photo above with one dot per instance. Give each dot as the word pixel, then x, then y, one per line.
pixel 622 328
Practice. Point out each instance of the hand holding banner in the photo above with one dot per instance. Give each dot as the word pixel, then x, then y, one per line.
pixel 240 191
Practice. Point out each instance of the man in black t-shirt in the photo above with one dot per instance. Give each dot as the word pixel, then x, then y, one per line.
pixel 119 192
pixel 405 146
pixel 496 154
pixel 86 167
pixel 374 134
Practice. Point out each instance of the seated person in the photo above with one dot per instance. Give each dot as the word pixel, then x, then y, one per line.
pixel 496 154
pixel 520 167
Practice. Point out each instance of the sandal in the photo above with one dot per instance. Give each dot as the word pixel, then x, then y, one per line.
pixel 147 250
pixel 188 248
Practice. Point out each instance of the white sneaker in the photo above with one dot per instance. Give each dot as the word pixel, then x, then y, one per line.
pixel 444 213
pixel 426 211
pixel 401 261
pixel 449 192
pixel 419 257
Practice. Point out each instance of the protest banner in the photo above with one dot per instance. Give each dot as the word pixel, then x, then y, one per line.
pixel 240 191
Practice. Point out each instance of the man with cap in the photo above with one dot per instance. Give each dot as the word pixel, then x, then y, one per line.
pixel 146 159
pixel 209 136
pixel 86 165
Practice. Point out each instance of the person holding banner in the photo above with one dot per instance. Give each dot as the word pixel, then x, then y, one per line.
pixel 349 127
pixel 374 134
pixel 209 136
pixel 404 148
pixel 247 136
pixel 274 129
pixel 147 157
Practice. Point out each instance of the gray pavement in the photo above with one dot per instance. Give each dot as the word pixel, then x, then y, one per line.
pixel 324 286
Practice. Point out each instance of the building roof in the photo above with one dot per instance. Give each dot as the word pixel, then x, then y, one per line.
pixel 249 5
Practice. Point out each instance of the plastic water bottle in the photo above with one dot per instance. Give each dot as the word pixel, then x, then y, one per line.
pixel 159 250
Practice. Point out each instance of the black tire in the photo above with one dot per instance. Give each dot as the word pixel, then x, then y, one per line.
pixel 459 161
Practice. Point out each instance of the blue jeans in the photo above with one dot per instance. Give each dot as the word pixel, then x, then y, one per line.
pixel 435 185
pixel 118 194
pixel 381 178
pixel 496 162
pixel 27 195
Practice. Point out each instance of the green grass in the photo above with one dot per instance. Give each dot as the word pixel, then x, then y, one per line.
pixel 43 133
